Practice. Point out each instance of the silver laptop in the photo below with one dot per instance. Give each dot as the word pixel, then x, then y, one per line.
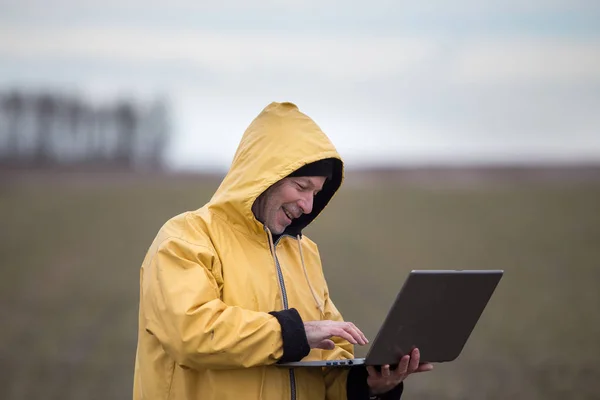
pixel 435 311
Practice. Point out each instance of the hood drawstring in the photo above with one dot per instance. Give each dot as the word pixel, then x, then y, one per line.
pixel 272 248
pixel 312 291
pixel 317 302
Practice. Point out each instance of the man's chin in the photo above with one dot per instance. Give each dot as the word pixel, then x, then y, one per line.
pixel 277 230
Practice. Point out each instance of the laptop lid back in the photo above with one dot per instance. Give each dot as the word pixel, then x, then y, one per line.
pixel 436 311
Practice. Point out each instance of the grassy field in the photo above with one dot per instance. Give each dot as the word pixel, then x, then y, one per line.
pixel 70 250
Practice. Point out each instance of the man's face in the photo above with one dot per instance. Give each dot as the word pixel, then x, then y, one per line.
pixel 287 200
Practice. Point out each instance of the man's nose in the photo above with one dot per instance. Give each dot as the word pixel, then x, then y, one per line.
pixel 306 204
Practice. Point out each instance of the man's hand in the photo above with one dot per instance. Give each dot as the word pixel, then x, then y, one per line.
pixel 319 333
pixel 386 380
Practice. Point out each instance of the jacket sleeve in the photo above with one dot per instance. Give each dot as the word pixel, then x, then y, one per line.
pixel 183 310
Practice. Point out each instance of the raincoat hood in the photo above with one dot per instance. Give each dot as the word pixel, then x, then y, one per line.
pixel 280 140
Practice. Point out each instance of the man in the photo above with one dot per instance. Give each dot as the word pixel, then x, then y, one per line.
pixel 233 288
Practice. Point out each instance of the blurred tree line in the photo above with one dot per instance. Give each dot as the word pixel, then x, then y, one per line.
pixel 53 129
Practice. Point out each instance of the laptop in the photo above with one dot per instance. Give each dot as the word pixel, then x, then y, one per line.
pixel 435 311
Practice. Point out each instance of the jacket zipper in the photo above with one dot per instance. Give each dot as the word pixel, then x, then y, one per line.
pixel 285 307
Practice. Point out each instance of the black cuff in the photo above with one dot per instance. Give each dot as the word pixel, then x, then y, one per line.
pixel 357 388
pixel 295 344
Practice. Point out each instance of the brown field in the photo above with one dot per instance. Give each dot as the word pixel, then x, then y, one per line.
pixel 71 246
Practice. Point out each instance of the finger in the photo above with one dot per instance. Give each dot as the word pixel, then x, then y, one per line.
pixel 343 334
pixel 385 371
pixel 356 334
pixel 372 372
pixel 424 367
pixel 414 361
pixel 362 335
pixel 414 352
pixel 349 328
pixel 402 366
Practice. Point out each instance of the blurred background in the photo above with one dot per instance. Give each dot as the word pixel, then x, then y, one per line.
pixel 470 132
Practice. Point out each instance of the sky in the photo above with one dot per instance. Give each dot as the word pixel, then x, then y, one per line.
pixel 390 82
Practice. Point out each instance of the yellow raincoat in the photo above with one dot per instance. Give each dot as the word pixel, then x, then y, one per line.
pixel 211 277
